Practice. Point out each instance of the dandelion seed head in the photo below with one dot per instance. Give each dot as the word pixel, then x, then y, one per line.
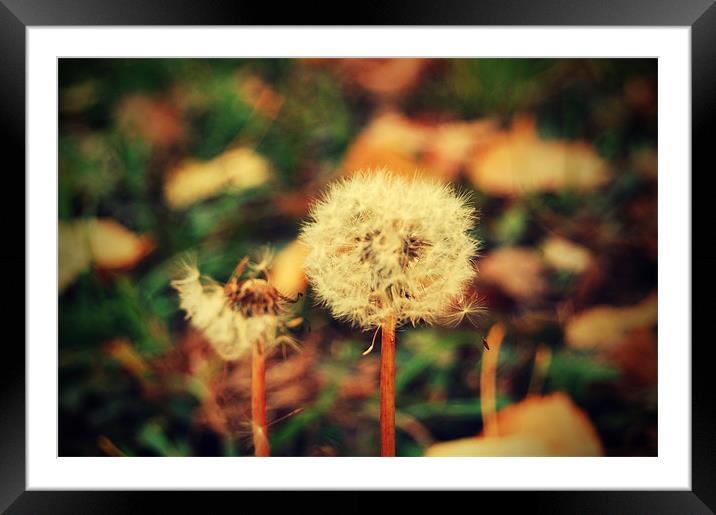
pixel 232 316
pixel 382 245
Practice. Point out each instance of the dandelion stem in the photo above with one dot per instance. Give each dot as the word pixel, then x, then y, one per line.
pixel 258 400
pixel 488 379
pixel 387 388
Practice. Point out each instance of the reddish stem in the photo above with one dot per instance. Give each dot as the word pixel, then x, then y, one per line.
pixel 387 388
pixel 488 379
pixel 258 400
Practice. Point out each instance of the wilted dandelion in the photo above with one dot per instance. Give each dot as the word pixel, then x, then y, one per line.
pixel 385 251
pixel 240 317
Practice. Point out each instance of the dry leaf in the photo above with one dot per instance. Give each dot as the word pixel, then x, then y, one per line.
pixel 234 170
pixel 389 141
pixel 386 76
pixel 519 162
pixel 113 246
pixel 604 327
pixel 537 426
pixel 155 121
pixel 556 421
pixel 287 273
pixel 520 445
pixel 260 96
pixel 382 77
pixel 565 255
pixel 517 271
pixel 451 144
pixel 74 252
pixel 103 241
pixel 405 146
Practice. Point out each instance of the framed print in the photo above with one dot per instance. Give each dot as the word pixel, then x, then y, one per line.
pixel 450 256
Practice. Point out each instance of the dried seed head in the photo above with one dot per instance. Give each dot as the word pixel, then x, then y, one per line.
pixel 233 316
pixel 253 297
pixel 382 245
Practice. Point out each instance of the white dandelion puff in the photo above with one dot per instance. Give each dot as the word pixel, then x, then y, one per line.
pixel 234 316
pixel 383 246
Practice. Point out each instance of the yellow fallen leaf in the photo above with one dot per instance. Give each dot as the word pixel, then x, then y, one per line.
pixel 556 421
pixel 521 445
pixel 450 145
pixel 287 273
pixel 405 146
pixel 518 162
pixel 113 246
pixel 565 255
pixel 604 327
pixel 537 426
pixel 234 170
pixel 74 252
pixel 102 242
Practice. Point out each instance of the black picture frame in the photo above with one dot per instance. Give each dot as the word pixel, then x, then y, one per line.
pixel 17 15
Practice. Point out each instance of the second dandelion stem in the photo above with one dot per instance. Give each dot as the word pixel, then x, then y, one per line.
pixel 258 400
pixel 387 388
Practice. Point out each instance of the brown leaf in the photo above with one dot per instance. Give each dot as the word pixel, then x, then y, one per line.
pixel 382 77
pixel 604 327
pixel 156 121
pixel 517 271
pixel 519 162
pixel 260 96
pixel 637 357
pixel 563 254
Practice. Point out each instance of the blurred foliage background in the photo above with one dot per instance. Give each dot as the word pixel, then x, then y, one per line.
pixel 220 157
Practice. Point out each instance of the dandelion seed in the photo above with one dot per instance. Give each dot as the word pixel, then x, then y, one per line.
pixel 372 343
pixel 464 308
